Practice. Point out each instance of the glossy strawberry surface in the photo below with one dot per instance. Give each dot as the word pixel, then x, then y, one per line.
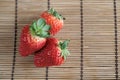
pixel 50 55
pixel 33 37
pixel 29 43
pixel 55 22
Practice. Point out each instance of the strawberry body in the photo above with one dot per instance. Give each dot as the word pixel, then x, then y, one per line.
pixel 33 37
pixel 29 43
pixel 50 55
pixel 53 19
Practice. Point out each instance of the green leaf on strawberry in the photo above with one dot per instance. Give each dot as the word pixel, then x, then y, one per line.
pixel 41 23
pixel 40 28
pixel 56 14
pixel 63 47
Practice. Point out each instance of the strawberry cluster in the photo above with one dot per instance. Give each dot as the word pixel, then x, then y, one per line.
pixel 38 39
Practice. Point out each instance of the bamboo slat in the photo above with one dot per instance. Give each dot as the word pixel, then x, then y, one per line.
pixel 101 66
pixel 6 38
pixel 70 31
pixel 28 10
pixel 118 21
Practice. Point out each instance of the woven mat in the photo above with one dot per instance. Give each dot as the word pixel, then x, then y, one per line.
pixel 93 26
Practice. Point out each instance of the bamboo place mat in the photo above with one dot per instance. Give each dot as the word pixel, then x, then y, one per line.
pixel 93 26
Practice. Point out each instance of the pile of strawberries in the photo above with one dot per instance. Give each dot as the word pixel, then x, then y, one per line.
pixel 38 39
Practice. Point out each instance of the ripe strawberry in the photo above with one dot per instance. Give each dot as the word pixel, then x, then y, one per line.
pixel 33 37
pixel 54 19
pixel 54 53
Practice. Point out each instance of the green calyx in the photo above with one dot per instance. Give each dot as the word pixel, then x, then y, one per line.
pixel 56 14
pixel 40 28
pixel 64 50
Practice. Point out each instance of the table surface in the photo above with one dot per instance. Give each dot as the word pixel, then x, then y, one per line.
pixel 93 26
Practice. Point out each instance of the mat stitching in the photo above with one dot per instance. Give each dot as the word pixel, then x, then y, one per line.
pixel 48 4
pixel 81 21
pixel 15 41
pixel 47 67
pixel 116 40
pixel 46 73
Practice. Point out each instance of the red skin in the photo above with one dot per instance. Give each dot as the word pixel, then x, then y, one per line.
pixel 50 55
pixel 28 43
pixel 55 24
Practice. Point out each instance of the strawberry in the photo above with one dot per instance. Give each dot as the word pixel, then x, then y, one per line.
pixel 33 37
pixel 54 19
pixel 53 53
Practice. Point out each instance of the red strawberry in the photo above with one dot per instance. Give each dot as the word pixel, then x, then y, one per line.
pixel 54 53
pixel 54 19
pixel 33 37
